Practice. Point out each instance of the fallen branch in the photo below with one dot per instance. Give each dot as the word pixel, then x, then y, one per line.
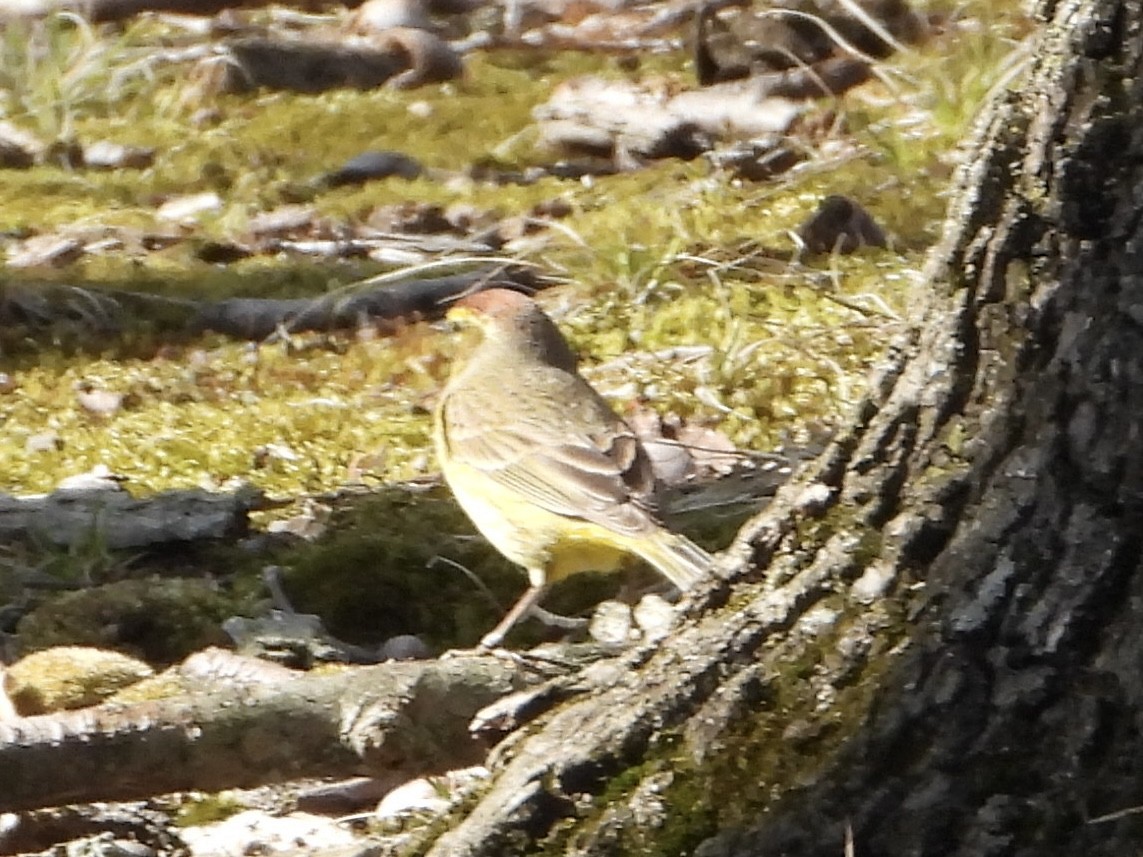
pixel 118 10
pixel 397 720
pixel 112 312
pixel 122 521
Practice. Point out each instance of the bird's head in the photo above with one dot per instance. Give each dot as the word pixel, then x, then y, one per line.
pixel 511 318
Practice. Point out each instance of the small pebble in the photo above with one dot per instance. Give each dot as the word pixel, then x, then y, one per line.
pixel 414 795
pixel 654 616
pixel 611 623
pixel 404 647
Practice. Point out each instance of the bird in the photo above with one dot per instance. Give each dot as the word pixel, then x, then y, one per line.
pixel 550 475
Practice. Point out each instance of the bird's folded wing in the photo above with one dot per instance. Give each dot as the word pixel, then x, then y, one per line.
pixel 569 476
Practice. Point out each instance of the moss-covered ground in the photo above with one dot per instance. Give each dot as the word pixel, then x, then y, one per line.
pixel 674 254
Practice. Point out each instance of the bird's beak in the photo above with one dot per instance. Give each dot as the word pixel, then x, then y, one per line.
pixel 455 318
pixel 461 315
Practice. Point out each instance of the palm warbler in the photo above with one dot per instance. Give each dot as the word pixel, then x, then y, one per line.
pixel 551 476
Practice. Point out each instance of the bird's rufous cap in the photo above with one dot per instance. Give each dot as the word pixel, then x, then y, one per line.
pixel 493 303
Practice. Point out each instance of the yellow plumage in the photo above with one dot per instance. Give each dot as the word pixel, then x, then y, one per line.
pixel 549 474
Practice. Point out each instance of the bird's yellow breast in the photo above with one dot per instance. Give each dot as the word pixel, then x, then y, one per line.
pixel 550 546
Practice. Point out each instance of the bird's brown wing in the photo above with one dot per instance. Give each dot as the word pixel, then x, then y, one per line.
pixel 604 477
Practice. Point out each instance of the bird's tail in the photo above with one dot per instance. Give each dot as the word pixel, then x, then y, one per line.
pixel 676 557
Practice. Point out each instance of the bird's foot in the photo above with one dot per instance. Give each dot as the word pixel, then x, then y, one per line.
pixel 555 620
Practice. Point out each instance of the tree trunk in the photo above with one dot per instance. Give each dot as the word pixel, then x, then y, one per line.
pixel 934 637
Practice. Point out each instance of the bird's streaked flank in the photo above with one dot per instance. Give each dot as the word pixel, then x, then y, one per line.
pixel 547 471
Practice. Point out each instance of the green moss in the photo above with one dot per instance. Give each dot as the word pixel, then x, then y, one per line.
pixel 167 684
pixel 664 256
pixel 200 809
pixel 68 677
pixel 158 620
pixel 406 561
pixel 869 545
pixel 785 739
pixel 387 567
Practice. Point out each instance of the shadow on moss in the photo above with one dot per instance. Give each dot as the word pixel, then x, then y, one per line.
pixel 395 562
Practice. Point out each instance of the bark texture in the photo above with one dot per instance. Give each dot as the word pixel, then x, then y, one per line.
pixel 941 649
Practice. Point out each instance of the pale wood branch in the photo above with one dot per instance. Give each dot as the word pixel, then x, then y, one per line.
pixel 395 720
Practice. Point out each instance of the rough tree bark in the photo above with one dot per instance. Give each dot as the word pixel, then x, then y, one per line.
pixel 939 643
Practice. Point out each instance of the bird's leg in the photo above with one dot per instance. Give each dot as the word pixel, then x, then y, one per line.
pixel 519 610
